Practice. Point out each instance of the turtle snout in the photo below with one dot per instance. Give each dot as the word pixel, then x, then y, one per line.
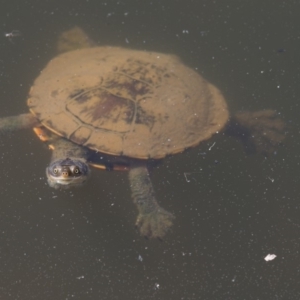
pixel 65 173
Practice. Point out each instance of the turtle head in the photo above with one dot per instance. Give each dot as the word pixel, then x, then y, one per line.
pixel 67 172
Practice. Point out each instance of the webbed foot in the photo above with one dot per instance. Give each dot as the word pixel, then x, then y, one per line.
pixel 153 221
pixel 154 224
pixel 260 131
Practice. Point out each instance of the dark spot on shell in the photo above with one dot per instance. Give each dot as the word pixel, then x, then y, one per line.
pixel 76 93
pixel 144 118
pixel 131 87
pixel 82 98
pixel 110 103
pixel 54 93
pixel 143 71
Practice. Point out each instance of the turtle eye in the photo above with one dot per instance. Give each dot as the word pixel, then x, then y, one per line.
pixel 55 170
pixel 76 170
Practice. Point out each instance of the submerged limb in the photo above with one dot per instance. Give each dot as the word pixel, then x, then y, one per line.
pixel 73 39
pixel 153 221
pixel 22 121
pixel 260 131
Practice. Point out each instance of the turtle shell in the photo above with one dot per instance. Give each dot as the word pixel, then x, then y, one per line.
pixel 125 102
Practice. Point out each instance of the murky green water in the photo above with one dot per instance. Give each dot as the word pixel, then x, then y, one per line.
pixel 231 209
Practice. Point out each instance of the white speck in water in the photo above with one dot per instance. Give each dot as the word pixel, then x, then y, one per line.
pixel 211 146
pixel 270 257
pixel 204 32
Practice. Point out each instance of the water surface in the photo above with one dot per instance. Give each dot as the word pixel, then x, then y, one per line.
pixel 231 209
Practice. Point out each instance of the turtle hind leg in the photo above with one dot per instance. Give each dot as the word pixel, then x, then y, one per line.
pixel 73 39
pixel 22 121
pixel 153 221
pixel 260 131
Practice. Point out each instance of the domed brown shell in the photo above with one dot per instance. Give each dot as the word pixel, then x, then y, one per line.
pixel 125 102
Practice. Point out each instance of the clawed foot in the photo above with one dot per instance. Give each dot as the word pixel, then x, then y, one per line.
pixel 155 224
pixel 259 131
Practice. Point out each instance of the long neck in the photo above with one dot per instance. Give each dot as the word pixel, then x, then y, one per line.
pixel 66 149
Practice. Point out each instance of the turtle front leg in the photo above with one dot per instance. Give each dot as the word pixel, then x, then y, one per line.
pixel 22 121
pixel 153 221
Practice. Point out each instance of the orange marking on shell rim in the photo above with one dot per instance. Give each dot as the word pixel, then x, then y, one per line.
pixel 41 134
pixel 115 167
pixel 120 168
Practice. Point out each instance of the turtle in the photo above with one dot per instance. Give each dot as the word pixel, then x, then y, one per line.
pixel 116 108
